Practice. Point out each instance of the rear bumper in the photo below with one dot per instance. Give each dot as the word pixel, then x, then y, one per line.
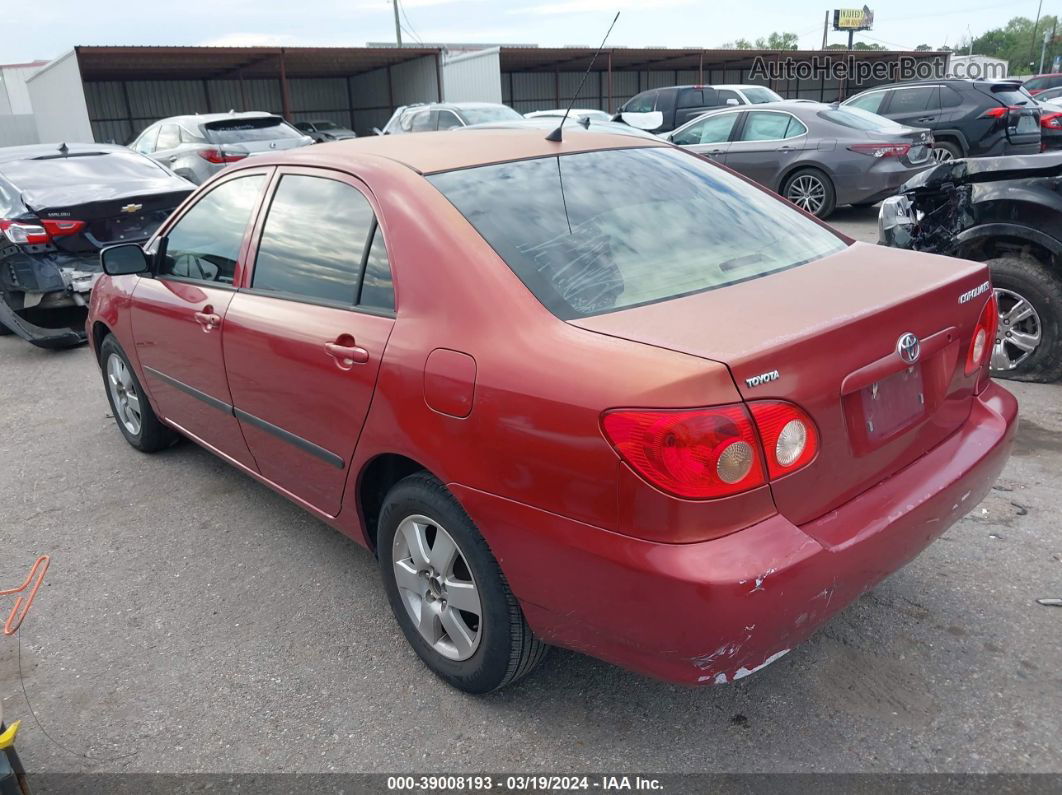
pixel 715 611
pixel 880 181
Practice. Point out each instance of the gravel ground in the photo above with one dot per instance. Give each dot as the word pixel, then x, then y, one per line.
pixel 195 621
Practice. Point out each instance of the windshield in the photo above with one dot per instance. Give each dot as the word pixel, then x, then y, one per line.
pixel 263 128
pixel 482 114
pixel 757 95
pixel 598 231
pixel 859 119
pixel 326 125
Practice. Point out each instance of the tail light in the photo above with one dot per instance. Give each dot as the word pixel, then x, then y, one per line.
pixel 218 156
pixel 34 234
pixel 713 452
pixel 999 112
pixel 984 336
pixel 693 453
pixel 1052 121
pixel 882 150
pixel 790 441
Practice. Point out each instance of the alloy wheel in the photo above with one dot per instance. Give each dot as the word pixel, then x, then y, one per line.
pixel 1019 332
pixel 942 155
pixel 808 193
pixel 123 394
pixel 437 587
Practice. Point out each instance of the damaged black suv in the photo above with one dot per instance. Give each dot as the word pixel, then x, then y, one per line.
pixel 59 205
pixel 1007 213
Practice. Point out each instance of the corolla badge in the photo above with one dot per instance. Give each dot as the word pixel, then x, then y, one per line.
pixel 908 347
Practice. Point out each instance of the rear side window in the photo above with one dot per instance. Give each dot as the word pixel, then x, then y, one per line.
pixel 314 239
pixel 169 137
pixel 911 100
pixel 724 95
pixel 691 98
pixel 264 128
pixel 584 243
pixel 145 144
pixel 767 126
pixel 949 97
pixel 422 122
pixel 205 243
pixel 859 119
pixel 447 121
pixel 377 290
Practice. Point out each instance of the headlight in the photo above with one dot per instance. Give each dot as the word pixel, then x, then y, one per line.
pixel 895 222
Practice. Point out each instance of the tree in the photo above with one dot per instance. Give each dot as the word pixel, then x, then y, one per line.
pixel 740 44
pixel 1016 42
pixel 778 41
pixel 923 48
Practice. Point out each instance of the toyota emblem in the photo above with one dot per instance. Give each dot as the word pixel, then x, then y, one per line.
pixel 908 347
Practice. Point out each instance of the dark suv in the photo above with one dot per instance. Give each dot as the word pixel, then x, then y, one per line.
pixel 680 104
pixel 969 118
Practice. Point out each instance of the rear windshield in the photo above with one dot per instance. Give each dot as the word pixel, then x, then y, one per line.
pixel 1010 94
pixel 108 166
pixel 859 119
pixel 494 113
pixel 757 95
pixel 269 128
pixel 599 231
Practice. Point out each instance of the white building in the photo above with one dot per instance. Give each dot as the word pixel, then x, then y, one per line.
pixel 17 125
pixel 977 67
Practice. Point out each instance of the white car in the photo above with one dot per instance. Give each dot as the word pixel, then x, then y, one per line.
pixel 576 113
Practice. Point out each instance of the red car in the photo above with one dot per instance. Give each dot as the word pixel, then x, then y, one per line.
pixel 600 393
pixel 1034 85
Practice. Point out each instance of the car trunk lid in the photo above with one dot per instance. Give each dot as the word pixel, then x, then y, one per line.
pixel 824 336
pixel 111 216
pixel 254 135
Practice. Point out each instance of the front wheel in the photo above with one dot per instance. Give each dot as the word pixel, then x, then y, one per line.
pixel 811 191
pixel 447 592
pixel 1027 345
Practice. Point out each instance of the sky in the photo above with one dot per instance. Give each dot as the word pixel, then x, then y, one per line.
pixel 55 26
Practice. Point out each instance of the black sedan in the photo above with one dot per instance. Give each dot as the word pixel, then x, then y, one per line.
pixel 59 205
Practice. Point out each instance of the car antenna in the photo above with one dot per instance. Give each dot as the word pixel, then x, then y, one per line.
pixel 558 135
pixel 63 149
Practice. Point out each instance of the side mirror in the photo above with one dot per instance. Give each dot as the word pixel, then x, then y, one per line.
pixel 643 121
pixel 732 101
pixel 124 259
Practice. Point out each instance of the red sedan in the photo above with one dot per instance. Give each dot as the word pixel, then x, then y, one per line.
pixel 599 393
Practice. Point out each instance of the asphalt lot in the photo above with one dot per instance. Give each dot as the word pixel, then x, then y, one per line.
pixel 195 621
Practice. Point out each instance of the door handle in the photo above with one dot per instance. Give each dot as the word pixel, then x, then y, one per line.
pixel 347 356
pixel 207 319
pixel 173 158
pixel 925 119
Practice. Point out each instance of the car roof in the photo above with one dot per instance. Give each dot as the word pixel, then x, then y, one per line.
pixel 549 123
pixel 31 151
pixel 948 81
pixel 430 152
pixel 740 86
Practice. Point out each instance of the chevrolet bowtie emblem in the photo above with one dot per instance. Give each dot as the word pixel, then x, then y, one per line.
pixel 132 208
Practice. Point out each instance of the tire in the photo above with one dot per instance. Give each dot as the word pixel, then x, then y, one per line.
pixel 946 150
pixel 819 197
pixel 476 654
pixel 147 433
pixel 1017 279
pixel 4 330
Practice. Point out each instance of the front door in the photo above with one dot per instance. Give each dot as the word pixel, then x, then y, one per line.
pixel 178 317
pixel 305 336
pixel 709 136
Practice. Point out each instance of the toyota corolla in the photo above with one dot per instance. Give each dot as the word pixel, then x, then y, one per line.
pixel 597 393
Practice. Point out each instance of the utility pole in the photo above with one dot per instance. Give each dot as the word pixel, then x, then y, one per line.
pixel 1036 25
pixel 1043 50
pixel 398 25
pixel 825 27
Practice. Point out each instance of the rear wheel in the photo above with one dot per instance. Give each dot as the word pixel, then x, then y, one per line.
pixel 811 191
pixel 943 151
pixel 447 592
pixel 130 406
pixel 1028 344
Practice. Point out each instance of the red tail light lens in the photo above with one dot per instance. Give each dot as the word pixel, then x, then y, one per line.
pixel 790 440
pixel 692 453
pixel 24 233
pixel 882 150
pixel 62 227
pixel 1052 121
pixel 984 336
pixel 217 156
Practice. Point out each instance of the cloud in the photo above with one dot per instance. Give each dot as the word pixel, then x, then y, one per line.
pixel 589 6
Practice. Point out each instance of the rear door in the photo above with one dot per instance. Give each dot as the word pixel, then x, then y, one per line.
pixel 769 140
pixel 709 136
pixel 916 106
pixel 168 145
pixel 305 336
pixel 178 317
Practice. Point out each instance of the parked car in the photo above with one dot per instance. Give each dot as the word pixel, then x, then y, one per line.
pixel 576 113
pixel 59 205
pixel 596 393
pixel 969 118
pixel 1039 83
pixel 549 123
pixel 427 117
pixel 1006 213
pixel 1048 94
pixel 199 146
pixel 323 130
pixel 816 155
pixel 1050 123
pixel 680 104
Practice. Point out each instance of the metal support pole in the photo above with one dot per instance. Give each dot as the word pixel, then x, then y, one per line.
pixel 610 109
pixel 700 69
pixel 398 25
pixel 285 94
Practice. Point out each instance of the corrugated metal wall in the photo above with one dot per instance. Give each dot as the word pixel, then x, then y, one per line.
pixel 121 110
pixel 472 77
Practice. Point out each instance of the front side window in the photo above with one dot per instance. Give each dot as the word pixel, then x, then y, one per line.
pixel 691 98
pixel 763 125
pixel 584 242
pixel 422 122
pixel 643 103
pixel 712 130
pixel 868 102
pixel 728 97
pixel 447 121
pixel 205 243
pixel 314 239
